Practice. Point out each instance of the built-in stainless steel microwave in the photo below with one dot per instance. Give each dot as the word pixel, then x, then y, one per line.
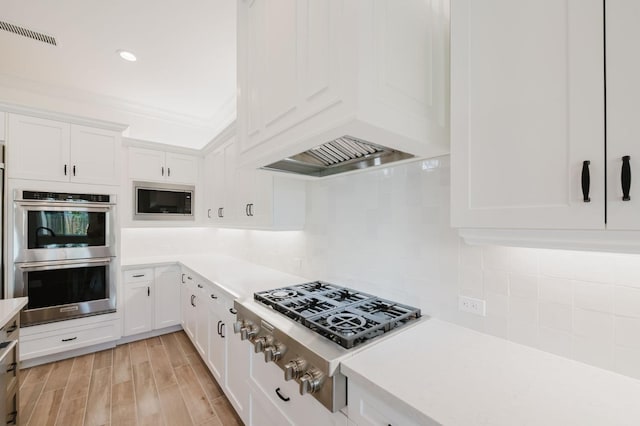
pixel 162 201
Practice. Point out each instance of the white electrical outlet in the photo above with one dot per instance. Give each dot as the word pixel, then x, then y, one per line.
pixel 469 304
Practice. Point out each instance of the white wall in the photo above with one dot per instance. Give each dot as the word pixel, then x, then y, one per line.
pixel 387 232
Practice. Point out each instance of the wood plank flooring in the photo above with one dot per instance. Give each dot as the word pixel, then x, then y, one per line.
pixel 157 381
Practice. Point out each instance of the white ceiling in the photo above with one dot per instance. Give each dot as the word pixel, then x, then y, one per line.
pixel 186 68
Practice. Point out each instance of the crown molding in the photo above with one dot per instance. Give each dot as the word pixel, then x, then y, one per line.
pixel 69 118
pixel 218 120
pixel 140 143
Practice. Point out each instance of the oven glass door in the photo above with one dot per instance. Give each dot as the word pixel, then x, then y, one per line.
pixel 53 231
pixel 66 228
pixel 64 289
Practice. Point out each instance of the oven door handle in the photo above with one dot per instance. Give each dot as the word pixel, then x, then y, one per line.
pixel 66 205
pixel 62 264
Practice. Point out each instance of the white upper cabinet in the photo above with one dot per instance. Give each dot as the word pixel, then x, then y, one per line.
pixel 527 114
pixel 94 155
pixel 244 197
pixel 623 111
pixel 311 71
pixel 52 150
pixel 3 128
pixel 153 165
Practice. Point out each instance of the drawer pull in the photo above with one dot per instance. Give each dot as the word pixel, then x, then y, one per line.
pixel 70 339
pixel 138 276
pixel 199 285
pixel 12 328
pixel 182 279
pixel 222 330
pixel 282 397
pixel 213 296
pixel 12 367
pixel 233 311
pixel 12 418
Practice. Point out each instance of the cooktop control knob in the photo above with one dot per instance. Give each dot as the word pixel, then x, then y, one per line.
pixel 311 381
pixel 274 352
pixel 262 342
pixel 294 368
pixel 248 332
pixel 238 325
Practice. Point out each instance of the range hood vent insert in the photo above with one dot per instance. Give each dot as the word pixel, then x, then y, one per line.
pixel 337 156
pixel 25 32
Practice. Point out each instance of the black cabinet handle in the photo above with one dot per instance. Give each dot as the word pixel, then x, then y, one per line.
pixel 12 418
pixel 162 170
pixel 69 339
pixel 169 171
pixel 213 296
pixel 12 367
pixel 65 169
pixel 250 206
pixel 246 209
pixel 586 181
pixel 199 285
pixel 74 170
pixel 219 332
pixel 12 328
pixel 183 279
pixel 282 397
pixel 138 276
pixel 222 330
pixel 209 213
pixel 233 311
pixel 625 178
pixel 148 291
pixel 192 301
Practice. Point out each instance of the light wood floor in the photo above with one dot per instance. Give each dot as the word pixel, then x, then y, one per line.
pixel 158 381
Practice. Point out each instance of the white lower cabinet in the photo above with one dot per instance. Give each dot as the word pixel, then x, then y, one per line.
pixel 217 350
pixel 149 299
pixel 237 365
pixel 369 409
pixel 187 305
pixel 167 286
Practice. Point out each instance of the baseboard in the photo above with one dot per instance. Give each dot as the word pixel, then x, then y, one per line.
pixel 66 354
pixel 153 333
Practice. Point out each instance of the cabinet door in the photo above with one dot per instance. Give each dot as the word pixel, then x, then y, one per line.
pixel 167 285
pixel 238 367
pixel 38 149
pixel 3 128
pixel 200 303
pixel 623 127
pixel 95 155
pixel 146 164
pixel 216 185
pixel 527 111
pixel 218 330
pixel 181 168
pixel 137 307
pixel 232 210
pixel 188 314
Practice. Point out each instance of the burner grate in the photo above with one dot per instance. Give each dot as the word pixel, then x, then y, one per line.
pixel 346 316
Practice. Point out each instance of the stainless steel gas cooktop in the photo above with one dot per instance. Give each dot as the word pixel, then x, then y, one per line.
pixel 346 316
pixel 307 329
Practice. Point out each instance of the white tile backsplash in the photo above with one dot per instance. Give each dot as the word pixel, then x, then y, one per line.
pixel 387 232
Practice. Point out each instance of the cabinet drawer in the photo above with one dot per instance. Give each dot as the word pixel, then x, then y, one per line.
pixel 71 338
pixel 138 275
pixel 11 330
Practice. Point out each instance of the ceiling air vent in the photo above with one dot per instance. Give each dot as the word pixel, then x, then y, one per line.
pixel 25 32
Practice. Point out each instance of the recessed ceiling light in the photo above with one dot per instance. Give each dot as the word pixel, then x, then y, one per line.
pixel 127 56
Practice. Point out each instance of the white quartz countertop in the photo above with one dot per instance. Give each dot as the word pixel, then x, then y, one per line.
pixel 237 277
pixel 10 307
pixel 456 376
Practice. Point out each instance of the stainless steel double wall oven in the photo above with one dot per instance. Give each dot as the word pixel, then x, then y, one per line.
pixel 64 254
